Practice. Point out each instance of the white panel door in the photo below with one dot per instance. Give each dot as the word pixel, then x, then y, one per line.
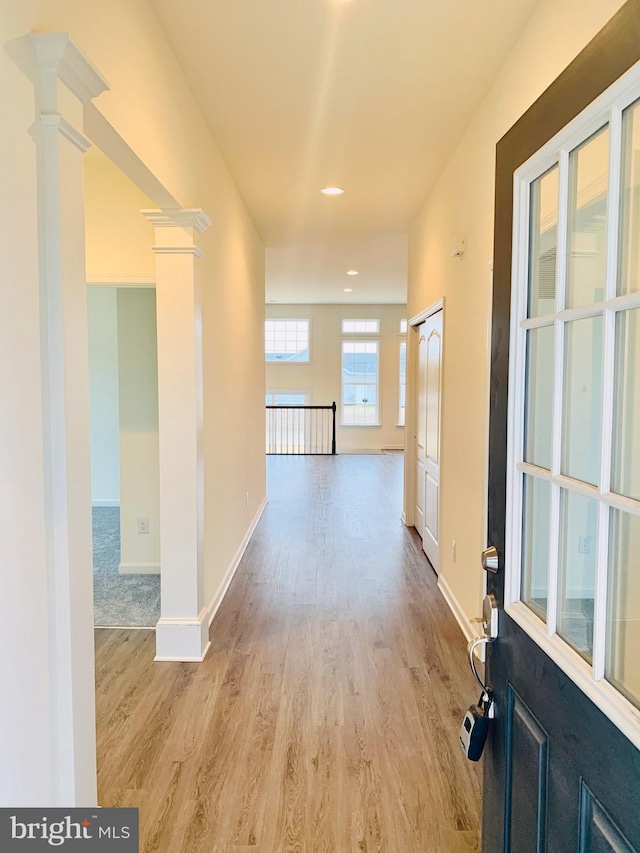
pixel 421 430
pixel 433 334
pixel 429 400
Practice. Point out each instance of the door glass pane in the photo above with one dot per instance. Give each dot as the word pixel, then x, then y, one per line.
pixel 625 468
pixel 543 242
pixel 539 397
pixel 587 245
pixel 623 641
pixel 577 571
pixel 629 268
pixel 535 545
pixel 582 399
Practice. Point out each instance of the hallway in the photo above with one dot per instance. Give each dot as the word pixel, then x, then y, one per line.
pixel 325 716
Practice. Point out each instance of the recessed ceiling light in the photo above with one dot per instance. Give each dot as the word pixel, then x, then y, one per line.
pixel 353 272
pixel 347 290
pixel 332 190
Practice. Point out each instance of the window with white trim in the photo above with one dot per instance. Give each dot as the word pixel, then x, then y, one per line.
pixel 573 554
pixel 287 398
pixel 360 327
pixel 402 381
pixel 286 340
pixel 403 327
pixel 360 381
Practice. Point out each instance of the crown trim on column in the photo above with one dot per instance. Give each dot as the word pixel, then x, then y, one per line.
pixel 56 54
pixel 188 217
pixel 178 250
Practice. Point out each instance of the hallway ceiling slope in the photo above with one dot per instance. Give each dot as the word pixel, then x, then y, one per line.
pixel 368 95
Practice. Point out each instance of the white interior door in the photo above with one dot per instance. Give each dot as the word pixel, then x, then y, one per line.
pixel 429 399
pixel 421 430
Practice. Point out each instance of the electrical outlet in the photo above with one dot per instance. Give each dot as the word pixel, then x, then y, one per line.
pixel 585 544
pixel 246 498
pixel 453 550
pixel 143 525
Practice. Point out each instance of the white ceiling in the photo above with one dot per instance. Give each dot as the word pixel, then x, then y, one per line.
pixel 369 95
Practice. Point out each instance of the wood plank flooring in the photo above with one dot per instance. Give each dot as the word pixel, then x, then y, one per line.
pixel 325 717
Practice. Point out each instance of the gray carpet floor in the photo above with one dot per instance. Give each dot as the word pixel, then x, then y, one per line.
pixel 127 601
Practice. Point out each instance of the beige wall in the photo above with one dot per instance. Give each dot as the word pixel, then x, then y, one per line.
pixel 322 376
pixel 462 202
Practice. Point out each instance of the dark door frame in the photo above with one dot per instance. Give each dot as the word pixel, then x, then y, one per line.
pixel 614 50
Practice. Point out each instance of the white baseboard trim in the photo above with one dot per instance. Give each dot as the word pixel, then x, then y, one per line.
pixel 226 581
pixel 394 448
pixel 454 606
pixel 403 518
pixel 106 502
pixel 139 568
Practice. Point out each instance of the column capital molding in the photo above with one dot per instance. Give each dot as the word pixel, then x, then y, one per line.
pixel 62 126
pixel 56 55
pixel 188 217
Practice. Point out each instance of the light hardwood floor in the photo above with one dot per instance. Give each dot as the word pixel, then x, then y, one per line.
pixel 325 717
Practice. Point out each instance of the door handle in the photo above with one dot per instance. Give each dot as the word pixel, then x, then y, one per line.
pixel 489 618
pixel 490 560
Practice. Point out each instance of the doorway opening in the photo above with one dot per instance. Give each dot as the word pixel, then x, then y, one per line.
pixel 123 385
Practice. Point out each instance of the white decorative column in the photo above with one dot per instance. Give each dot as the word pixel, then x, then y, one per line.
pixel 183 630
pixel 65 80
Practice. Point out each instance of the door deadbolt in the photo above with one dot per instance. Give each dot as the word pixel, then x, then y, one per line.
pixel 490 559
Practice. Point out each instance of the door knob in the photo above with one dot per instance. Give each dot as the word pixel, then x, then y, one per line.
pixel 490 560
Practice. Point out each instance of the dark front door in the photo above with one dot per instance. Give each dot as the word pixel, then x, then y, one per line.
pixel 562 763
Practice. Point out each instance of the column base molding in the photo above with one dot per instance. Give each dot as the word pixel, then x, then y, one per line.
pixel 183 639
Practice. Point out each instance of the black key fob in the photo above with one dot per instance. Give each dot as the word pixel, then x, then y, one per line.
pixel 473 732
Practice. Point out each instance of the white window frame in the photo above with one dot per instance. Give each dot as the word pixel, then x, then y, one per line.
pixel 306 320
pixel 367 340
pixel 300 392
pixel 368 332
pixel 605 110
pixel 402 340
